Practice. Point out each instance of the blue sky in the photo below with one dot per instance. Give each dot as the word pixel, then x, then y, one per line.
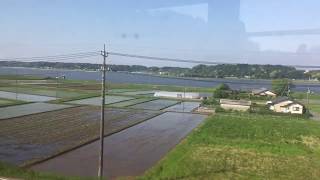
pixel 169 28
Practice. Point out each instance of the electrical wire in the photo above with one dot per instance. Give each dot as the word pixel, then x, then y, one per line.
pixel 54 58
pixel 153 58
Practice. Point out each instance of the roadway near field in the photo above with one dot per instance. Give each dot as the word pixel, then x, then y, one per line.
pixel 36 137
pixel 127 153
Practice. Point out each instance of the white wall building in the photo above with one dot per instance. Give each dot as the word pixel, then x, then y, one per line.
pixel 179 95
pixel 285 105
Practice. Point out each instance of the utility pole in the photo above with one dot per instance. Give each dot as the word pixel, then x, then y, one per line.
pixel 308 96
pixel 184 96
pixel 57 81
pixel 103 94
pixel 16 85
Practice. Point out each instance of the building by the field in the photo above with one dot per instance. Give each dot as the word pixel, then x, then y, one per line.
pixel 237 105
pixel 180 95
pixel 285 105
pixel 263 92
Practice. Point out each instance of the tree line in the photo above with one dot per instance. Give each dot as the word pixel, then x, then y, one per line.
pixel 205 71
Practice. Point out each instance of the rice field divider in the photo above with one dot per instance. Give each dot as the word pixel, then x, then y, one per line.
pixel 73 106
pixel 93 125
pixel 66 100
pixel 120 101
pixel 178 102
pixel 38 161
pixel 14 103
pixel 128 106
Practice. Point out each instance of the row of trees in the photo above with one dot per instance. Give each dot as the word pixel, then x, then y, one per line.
pixel 174 71
pixel 282 87
pixel 246 71
pixel 218 71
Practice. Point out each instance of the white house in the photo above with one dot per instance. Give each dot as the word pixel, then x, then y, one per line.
pixel 180 95
pixel 285 105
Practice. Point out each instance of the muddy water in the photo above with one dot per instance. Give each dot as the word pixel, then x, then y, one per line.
pixel 28 109
pixel 130 152
pixel 183 107
pixel 25 97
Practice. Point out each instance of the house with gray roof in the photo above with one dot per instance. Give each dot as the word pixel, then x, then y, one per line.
pixel 286 105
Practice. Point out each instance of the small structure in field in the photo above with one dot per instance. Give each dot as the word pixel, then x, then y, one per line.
pixel 263 92
pixel 285 105
pixel 205 110
pixel 237 105
pixel 179 95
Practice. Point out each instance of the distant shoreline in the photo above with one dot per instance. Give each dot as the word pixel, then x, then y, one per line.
pixel 223 80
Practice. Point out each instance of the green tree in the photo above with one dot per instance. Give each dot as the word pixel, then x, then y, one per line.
pixel 282 87
pixel 222 91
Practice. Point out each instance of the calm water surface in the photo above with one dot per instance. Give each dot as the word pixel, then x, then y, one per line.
pixel 119 77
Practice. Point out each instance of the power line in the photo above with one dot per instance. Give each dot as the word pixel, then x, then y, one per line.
pixel 66 57
pixel 154 58
pixel 54 58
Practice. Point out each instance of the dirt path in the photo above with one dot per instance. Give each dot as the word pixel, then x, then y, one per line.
pixel 130 152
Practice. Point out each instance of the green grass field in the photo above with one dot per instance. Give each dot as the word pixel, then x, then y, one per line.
pixel 303 95
pixel 9 102
pixel 315 107
pixel 244 146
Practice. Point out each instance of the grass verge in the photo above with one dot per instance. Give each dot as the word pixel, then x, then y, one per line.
pixel 245 146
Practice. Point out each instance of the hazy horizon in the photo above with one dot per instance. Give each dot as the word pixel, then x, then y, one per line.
pixel 230 31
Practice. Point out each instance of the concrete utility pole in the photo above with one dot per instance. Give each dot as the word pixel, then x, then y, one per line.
pixel 103 94
pixel 308 96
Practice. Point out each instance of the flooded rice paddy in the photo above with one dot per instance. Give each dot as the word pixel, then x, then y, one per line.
pixel 183 107
pixel 27 109
pixel 36 137
pixel 127 153
pixel 25 97
pixel 155 105
pixel 96 101
pixel 38 90
pixel 139 93
pixel 131 102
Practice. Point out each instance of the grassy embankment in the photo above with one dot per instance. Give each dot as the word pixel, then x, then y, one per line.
pixel 245 146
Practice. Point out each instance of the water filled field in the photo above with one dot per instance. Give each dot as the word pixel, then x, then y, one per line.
pixel 27 109
pixel 42 91
pixel 96 101
pixel 131 102
pixel 155 105
pixel 129 152
pixel 183 107
pixel 139 93
pixel 130 78
pixel 30 138
pixel 25 97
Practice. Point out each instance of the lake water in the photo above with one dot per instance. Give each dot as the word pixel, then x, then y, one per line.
pixel 119 77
